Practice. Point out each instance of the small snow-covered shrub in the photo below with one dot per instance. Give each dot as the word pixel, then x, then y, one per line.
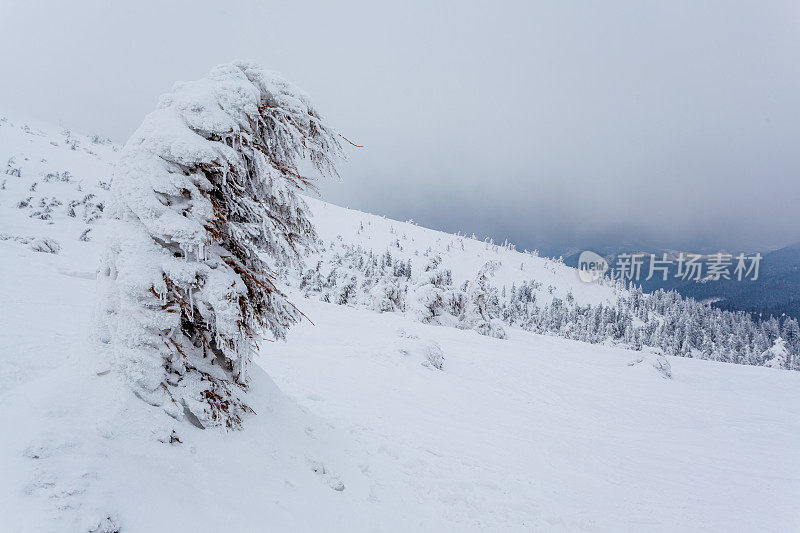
pixel 428 352
pixel 48 246
pixel 434 356
pixel 204 209
pixel 107 524
pixel 655 358
pixel 12 169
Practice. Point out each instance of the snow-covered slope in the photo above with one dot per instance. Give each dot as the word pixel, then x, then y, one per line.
pixel 462 255
pixel 356 427
pixel 66 168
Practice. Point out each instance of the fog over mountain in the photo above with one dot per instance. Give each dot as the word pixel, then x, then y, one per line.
pixel 671 124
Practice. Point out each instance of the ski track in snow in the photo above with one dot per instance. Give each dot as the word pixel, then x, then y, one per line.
pixel 355 429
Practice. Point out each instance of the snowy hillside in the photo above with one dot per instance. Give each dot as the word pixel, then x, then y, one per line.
pixel 462 255
pixel 70 173
pixel 369 421
pixel 386 265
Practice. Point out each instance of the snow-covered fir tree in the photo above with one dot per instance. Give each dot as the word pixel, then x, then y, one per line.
pixel 777 356
pixel 432 293
pixel 483 309
pixel 205 209
pixel 388 295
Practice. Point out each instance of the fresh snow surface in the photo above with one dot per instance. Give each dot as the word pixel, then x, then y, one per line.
pixel 356 429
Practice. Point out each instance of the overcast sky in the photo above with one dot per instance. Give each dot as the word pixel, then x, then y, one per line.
pixel 555 124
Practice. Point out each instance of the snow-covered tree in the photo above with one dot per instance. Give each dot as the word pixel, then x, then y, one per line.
pixel 777 356
pixel 205 208
pixel 483 309
pixel 387 295
pixel 432 292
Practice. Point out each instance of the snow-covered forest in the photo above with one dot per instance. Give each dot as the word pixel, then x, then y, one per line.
pixel 420 283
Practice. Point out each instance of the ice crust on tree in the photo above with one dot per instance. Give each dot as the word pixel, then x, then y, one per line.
pixel 205 207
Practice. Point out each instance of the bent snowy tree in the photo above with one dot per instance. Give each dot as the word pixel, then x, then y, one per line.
pixel 205 208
